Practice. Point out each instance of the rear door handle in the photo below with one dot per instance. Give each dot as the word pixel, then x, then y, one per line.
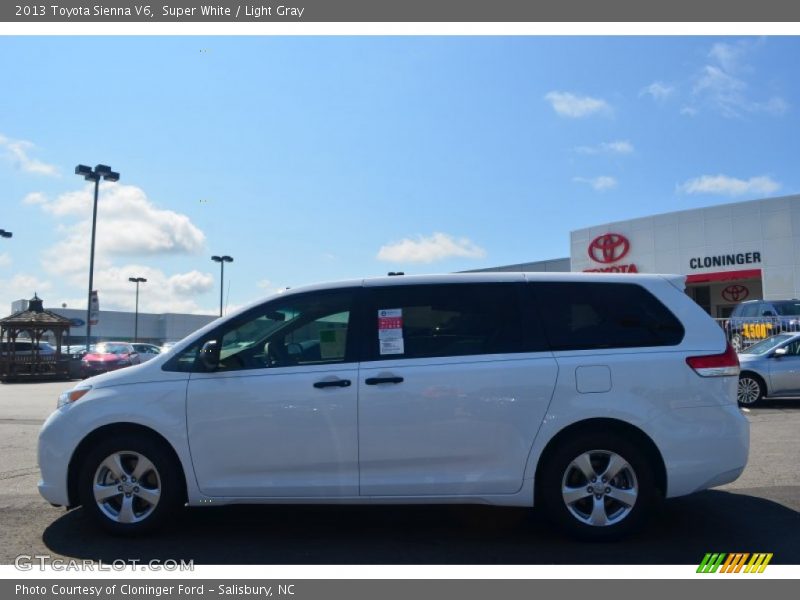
pixel 379 380
pixel 334 383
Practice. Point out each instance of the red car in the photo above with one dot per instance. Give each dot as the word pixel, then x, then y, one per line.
pixel 108 356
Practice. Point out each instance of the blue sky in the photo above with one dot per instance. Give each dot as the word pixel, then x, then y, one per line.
pixel 318 158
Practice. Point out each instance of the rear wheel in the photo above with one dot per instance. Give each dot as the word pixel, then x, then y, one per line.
pixel 598 486
pixel 130 484
pixel 751 390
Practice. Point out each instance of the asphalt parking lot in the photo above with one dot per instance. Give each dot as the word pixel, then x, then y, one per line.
pixel 758 513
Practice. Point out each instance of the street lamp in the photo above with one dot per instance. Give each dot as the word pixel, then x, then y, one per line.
pixel 221 260
pixel 137 281
pixel 99 172
pixel 5 234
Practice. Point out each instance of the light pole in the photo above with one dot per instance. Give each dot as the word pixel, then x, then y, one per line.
pixel 99 172
pixel 5 234
pixel 221 260
pixel 137 281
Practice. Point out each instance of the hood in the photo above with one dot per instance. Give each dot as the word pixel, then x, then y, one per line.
pixel 105 357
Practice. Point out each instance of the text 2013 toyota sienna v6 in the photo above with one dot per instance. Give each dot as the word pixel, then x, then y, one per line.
pixel 591 396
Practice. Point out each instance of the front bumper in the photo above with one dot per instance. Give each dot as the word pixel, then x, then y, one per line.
pixel 53 461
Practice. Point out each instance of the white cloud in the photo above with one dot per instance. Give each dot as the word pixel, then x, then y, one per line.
pixel 160 293
pixel 615 147
pixel 689 111
pixel 567 104
pixel 729 186
pixel 34 199
pixel 439 246
pixel 21 286
pixel 5 260
pixel 128 224
pixel 721 84
pixel 658 90
pixel 599 184
pixel 18 152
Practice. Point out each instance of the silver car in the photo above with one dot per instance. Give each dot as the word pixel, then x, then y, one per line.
pixel 770 368
pixel 146 351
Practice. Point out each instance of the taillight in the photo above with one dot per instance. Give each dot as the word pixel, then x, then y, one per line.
pixel 716 365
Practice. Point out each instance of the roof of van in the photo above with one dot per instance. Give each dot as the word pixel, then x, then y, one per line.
pixel 497 276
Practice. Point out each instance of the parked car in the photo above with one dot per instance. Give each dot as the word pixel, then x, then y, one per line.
pixel 25 347
pixel 146 351
pixel 108 356
pixel 770 368
pixel 167 346
pixel 591 396
pixel 756 320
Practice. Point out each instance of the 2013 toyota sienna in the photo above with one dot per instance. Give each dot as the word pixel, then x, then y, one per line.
pixel 591 396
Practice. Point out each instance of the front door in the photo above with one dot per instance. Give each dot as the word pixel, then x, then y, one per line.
pixel 784 371
pixel 276 413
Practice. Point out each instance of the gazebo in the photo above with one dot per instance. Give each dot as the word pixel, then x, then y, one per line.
pixel 34 322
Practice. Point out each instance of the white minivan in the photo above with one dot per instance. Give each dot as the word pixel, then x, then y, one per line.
pixel 591 395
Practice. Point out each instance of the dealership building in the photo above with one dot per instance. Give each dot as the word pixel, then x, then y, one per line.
pixel 728 253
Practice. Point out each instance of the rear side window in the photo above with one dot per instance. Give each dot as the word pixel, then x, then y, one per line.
pixel 422 321
pixel 586 316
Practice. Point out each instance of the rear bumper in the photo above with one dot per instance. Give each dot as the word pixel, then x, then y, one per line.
pixel 702 447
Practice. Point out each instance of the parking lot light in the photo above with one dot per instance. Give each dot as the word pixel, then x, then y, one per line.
pixel 137 281
pixel 99 172
pixel 221 260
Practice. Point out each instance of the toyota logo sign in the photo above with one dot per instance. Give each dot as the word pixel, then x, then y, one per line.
pixel 735 293
pixel 608 248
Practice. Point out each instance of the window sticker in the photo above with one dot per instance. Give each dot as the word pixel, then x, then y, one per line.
pixel 390 331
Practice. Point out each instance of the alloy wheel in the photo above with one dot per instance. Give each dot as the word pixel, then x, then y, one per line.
pixel 126 487
pixel 599 488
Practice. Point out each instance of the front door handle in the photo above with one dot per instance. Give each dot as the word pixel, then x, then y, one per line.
pixel 333 383
pixel 379 380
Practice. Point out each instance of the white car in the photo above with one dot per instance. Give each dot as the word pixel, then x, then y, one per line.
pixel 590 395
pixel 146 351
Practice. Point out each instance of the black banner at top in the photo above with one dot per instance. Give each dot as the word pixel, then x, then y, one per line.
pixel 465 11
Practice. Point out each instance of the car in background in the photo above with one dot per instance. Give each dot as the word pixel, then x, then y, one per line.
pixel 25 347
pixel 108 356
pixel 167 346
pixel 146 351
pixel 756 320
pixel 770 368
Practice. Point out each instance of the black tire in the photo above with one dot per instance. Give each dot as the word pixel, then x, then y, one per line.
pixel 751 390
pixel 623 519
pixel 166 476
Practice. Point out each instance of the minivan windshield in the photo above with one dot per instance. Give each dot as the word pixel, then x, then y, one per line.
pixel 768 344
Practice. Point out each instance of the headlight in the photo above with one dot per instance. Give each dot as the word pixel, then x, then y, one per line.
pixel 71 396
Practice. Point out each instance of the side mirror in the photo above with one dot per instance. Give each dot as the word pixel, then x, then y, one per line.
pixel 209 355
pixel 778 352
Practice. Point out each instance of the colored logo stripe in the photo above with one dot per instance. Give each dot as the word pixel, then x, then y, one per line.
pixel 734 562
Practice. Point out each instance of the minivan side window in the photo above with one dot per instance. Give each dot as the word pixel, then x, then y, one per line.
pixel 750 310
pixel 460 319
pixel 588 315
pixel 307 329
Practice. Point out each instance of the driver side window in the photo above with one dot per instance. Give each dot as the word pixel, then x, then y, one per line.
pixel 308 329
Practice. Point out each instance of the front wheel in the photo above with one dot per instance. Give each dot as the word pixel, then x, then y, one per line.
pixel 751 390
pixel 129 484
pixel 597 486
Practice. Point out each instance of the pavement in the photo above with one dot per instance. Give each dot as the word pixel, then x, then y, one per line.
pixel 760 512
